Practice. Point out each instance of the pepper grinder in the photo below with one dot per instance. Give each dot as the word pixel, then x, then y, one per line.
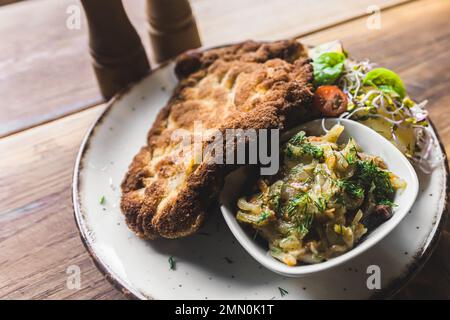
pixel 171 27
pixel 117 52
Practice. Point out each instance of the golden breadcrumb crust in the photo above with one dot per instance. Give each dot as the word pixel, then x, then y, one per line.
pixel 248 85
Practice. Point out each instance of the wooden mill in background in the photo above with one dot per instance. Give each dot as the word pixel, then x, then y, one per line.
pixel 117 52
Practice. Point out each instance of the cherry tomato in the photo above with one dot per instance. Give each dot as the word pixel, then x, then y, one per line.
pixel 330 101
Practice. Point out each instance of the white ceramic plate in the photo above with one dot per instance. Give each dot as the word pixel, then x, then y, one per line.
pixel 371 143
pixel 211 264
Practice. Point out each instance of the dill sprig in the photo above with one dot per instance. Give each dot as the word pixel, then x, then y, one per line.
pixel 298 146
pixel 264 216
pixel 368 174
pixel 283 292
pixel 172 263
pixel 304 223
pixel 387 202
pixel 298 138
pixel 300 199
pixel 312 150
pixel 353 189
pixel 303 219
pixel 320 204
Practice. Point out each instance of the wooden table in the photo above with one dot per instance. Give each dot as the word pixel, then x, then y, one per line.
pixel 49 97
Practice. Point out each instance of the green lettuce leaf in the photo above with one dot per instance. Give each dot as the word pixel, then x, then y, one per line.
pixel 385 80
pixel 328 67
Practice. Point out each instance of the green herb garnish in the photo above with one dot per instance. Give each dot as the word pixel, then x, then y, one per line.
pixel 283 292
pixel 102 200
pixel 303 219
pixel 369 175
pixel 298 138
pixel 275 201
pixel 305 148
pixel 320 204
pixel 275 196
pixel 299 146
pixel 264 216
pixel 172 263
pixel 387 203
pixel 299 200
pixel 350 158
pixel 304 223
pixel 353 189
pixel 312 150
pixel 289 152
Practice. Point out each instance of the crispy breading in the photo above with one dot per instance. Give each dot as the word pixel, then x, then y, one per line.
pixel 248 85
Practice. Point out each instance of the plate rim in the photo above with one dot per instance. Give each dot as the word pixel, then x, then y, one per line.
pixel 78 215
pixel 394 286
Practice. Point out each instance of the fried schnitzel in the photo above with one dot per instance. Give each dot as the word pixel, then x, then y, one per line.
pixel 165 192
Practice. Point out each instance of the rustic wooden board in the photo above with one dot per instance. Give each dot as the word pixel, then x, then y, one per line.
pixel 45 70
pixel 39 239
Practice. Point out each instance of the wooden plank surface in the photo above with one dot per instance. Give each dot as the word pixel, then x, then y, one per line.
pixel 45 70
pixel 38 237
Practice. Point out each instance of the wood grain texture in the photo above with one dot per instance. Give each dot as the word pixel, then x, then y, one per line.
pixel 38 236
pixel 45 69
pixel 39 239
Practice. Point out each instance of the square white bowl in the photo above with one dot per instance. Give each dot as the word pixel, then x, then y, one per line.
pixel 372 143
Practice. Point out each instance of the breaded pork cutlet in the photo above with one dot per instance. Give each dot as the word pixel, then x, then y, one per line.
pixel 166 192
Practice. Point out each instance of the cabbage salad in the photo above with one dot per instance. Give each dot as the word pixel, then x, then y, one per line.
pixel 325 197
